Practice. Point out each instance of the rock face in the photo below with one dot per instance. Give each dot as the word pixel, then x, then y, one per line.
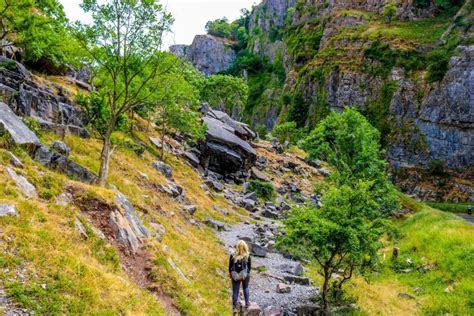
pixel 55 161
pixel 48 103
pixel 209 54
pixel 18 131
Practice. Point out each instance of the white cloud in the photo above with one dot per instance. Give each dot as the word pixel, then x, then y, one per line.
pixel 190 15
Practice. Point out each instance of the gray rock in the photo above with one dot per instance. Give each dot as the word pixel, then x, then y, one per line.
pixel 406 295
pixel 165 169
pixel 27 188
pixel 219 226
pixel 250 196
pixel 258 250
pixel 248 204
pixel 258 175
pixel 178 270
pixel 292 279
pixel 272 311
pixel 14 161
pixel 19 133
pixel 61 148
pixel 192 158
pixel 8 210
pixel 124 231
pixel 190 209
pixel 217 186
pixel 269 214
pixel 81 229
pixel 140 230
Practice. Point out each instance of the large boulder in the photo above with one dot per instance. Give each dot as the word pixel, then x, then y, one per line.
pixel 223 151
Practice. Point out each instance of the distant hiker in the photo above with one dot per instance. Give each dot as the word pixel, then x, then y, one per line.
pixel 239 271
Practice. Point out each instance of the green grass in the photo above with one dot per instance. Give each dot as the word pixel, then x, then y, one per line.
pixel 451 207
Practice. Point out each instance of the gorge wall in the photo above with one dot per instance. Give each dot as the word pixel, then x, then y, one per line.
pixel 412 77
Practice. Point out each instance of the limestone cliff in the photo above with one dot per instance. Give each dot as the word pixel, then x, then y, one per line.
pixel 209 54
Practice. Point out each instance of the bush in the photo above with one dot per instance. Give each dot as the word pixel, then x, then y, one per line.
pixel 436 168
pixel 288 132
pixel 264 190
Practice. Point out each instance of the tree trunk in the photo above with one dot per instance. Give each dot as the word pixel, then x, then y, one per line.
pixel 325 307
pixel 105 154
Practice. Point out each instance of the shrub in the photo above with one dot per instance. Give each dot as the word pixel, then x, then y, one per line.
pixel 436 167
pixel 264 190
pixel 287 132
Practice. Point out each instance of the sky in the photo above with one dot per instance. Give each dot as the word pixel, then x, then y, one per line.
pixel 190 15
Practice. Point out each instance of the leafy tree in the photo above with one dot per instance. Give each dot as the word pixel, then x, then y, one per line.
pixel 349 143
pixel 175 104
pixel 123 43
pixel 342 237
pixel 390 11
pixel 225 92
pixel 39 27
pixel 219 27
pixel 287 132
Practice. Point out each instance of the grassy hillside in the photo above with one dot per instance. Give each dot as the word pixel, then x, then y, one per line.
pixel 440 277
pixel 47 267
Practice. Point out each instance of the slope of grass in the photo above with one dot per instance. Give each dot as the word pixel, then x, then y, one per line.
pixel 451 207
pixel 85 276
pixel 436 266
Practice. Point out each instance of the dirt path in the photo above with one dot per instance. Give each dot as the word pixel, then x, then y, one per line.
pixel 263 285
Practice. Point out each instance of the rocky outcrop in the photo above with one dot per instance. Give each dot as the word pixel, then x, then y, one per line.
pixel 28 96
pixel 445 120
pixel 209 54
pixel 22 183
pixel 19 133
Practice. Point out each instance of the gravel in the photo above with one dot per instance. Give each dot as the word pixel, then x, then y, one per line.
pixel 263 286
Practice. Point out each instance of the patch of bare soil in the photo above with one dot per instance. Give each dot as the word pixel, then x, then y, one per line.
pixel 137 265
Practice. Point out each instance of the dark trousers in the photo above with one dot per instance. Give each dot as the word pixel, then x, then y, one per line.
pixel 236 290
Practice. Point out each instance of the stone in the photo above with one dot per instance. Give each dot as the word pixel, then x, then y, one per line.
pixel 283 288
pixel 215 185
pixel 292 279
pixel 8 210
pixel 251 196
pixel 240 129
pixel 165 169
pixel 14 161
pixel 269 214
pixel 61 148
pixel 258 250
pixel 406 295
pixel 124 232
pixel 314 163
pixel 178 270
pixel 19 133
pixel 26 187
pixel 80 228
pixel 219 226
pixel 192 158
pixel 324 172
pixel 248 204
pixel 190 209
pixel 139 229
pixel 55 161
pixel 258 175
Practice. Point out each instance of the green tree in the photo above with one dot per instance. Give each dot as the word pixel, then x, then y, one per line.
pixel 175 104
pixel 225 92
pixel 39 27
pixel 390 11
pixel 123 43
pixel 348 142
pixel 219 27
pixel 287 132
pixel 342 237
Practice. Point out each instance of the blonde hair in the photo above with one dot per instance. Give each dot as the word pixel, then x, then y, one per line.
pixel 241 251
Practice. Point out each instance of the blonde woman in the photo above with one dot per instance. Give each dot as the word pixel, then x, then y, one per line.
pixel 239 271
